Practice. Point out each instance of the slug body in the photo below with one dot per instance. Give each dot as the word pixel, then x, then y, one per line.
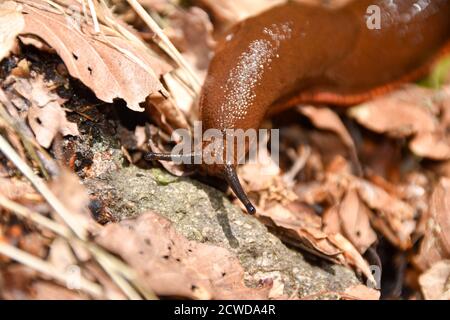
pixel 296 53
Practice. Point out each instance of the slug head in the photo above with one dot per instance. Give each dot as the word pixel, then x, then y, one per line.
pixel 225 171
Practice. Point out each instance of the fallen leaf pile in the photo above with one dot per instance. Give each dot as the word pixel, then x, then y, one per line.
pixel 366 188
pixel 171 265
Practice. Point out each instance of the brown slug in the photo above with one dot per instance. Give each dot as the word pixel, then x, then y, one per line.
pixel 295 53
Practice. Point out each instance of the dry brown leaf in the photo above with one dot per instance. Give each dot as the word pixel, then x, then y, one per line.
pixel 110 65
pixel 394 218
pixel 433 145
pixel 326 119
pixel 436 243
pixel 68 189
pixel 413 111
pixel 46 117
pixel 15 189
pixel 435 282
pixel 399 114
pixel 362 292
pixel 171 265
pixel 11 24
pixel 191 32
pixel 303 228
pixel 391 216
pixel 47 121
pixel 352 256
pixel 355 222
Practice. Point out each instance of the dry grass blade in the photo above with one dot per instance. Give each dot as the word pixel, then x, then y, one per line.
pixel 170 48
pixel 120 273
pixel 35 217
pixel 94 16
pixel 49 270
pixel 40 186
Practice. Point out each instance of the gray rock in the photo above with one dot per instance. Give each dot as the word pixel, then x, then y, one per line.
pixel 203 214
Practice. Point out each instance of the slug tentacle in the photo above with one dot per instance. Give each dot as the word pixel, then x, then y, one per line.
pixel 171 157
pixel 232 178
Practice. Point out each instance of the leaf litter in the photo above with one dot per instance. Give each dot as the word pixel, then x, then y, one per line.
pixel 348 183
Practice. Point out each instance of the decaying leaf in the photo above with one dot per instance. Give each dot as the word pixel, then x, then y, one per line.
pixel 171 265
pixel 436 243
pixel 353 220
pixel 304 229
pixel 361 292
pixel 15 189
pixel 327 119
pixel 410 112
pixel 68 188
pixel 399 114
pixel 47 121
pixel 191 32
pixel 46 117
pixel 391 216
pixel 109 64
pixel 11 24
pixel 435 282
pixel 433 145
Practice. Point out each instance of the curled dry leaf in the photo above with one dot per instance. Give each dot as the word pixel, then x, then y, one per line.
pixel 326 119
pixel 171 265
pixel 109 64
pixel 45 115
pixel 352 220
pixel 391 216
pixel 47 121
pixel 361 292
pixel 435 282
pixel 11 24
pixel 436 243
pixel 191 32
pixel 414 112
pixel 399 114
pixel 303 228
pixel 436 145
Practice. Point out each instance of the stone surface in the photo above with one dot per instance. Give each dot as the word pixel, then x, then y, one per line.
pixel 203 214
